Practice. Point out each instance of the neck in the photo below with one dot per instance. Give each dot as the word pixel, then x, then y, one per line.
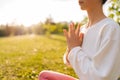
pixel 96 14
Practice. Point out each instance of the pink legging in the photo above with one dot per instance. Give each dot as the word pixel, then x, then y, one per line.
pixel 50 75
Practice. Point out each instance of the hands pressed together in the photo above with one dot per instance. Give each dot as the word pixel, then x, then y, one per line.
pixel 73 36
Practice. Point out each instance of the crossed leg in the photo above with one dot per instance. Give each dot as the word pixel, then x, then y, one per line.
pixel 50 75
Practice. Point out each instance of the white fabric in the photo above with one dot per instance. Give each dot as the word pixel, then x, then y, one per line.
pixel 99 56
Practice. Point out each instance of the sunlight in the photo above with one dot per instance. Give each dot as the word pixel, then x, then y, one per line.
pixel 29 12
pixel 22 11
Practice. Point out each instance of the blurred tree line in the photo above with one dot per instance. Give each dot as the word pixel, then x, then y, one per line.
pixel 46 28
pixel 50 27
pixel 9 30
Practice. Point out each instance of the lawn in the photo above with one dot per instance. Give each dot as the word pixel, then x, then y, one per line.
pixel 23 57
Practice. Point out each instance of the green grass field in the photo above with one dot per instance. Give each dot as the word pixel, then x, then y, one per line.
pixel 23 57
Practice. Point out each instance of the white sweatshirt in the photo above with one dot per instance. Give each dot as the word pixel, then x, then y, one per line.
pixel 99 56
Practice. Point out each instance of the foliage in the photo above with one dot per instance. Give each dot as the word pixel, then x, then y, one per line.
pixel 55 28
pixel 114 10
pixel 37 29
pixel 23 57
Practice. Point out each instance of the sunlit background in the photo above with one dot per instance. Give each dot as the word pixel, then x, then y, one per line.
pixel 29 12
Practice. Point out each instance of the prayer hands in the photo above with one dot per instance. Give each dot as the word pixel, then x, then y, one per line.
pixel 73 36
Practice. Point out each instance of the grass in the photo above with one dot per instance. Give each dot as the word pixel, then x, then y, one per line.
pixel 23 57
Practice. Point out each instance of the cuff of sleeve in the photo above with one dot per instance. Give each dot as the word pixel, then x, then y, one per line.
pixel 64 60
pixel 73 53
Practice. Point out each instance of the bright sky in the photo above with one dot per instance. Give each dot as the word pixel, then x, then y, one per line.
pixel 29 12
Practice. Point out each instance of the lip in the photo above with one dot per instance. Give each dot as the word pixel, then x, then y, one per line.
pixel 81 2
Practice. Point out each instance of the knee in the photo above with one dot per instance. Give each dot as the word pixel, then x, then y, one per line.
pixel 42 75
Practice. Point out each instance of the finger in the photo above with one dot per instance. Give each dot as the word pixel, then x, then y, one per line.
pixel 77 31
pixel 71 27
pixel 65 33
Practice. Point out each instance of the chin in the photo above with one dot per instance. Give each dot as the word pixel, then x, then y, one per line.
pixel 82 8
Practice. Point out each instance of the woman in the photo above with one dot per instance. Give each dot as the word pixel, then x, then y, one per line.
pixel 93 53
